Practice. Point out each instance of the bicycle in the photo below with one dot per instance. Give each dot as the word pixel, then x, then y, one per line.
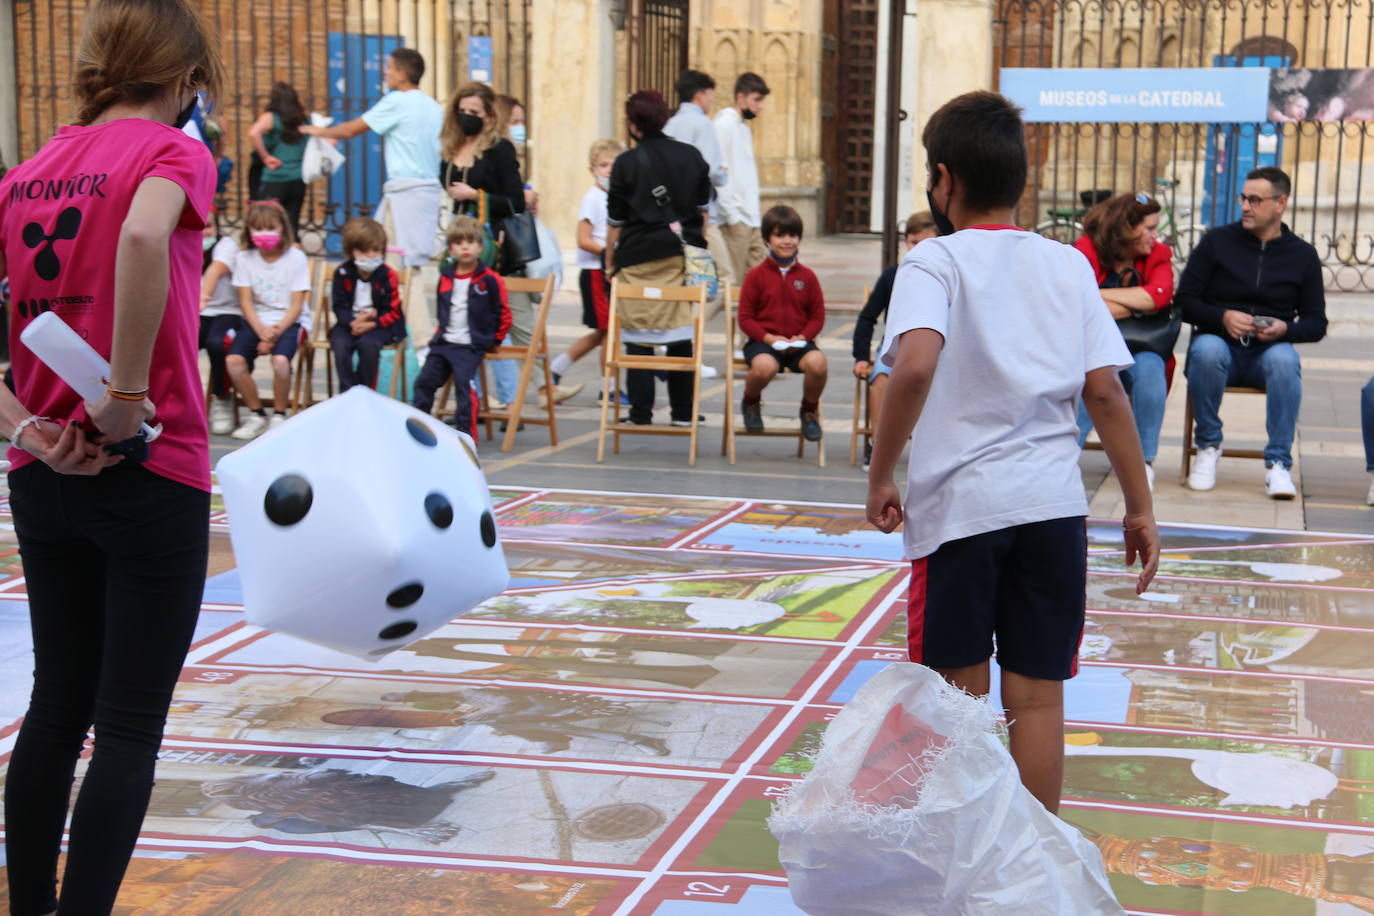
pixel 1181 238
pixel 1065 224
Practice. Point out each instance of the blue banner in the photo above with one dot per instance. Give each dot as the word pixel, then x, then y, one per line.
pixel 479 58
pixel 1216 95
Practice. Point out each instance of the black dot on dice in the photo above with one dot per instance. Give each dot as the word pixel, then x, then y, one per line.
pixel 406 595
pixel 439 510
pixel 288 500
pixel 421 433
pixel 397 630
pixel 488 529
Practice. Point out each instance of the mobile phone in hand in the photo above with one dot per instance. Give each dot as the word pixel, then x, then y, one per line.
pixel 1263 321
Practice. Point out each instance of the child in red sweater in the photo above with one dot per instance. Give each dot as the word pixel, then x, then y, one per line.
pixel 781 310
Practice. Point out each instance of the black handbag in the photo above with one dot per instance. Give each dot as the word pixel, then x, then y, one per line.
pixel 1155 333
pixel 520 245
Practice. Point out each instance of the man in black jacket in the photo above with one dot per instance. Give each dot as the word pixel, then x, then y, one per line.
pixel 1251 290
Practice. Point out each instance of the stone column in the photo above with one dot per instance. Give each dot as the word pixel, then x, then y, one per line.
pixel 954 51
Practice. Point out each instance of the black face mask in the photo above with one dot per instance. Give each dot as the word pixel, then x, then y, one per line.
pixel 942 224
pixel 747 115
pixel 185 114
pixel 470 125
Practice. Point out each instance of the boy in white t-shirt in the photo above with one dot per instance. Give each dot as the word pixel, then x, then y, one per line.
pixel 994 334
pixel 591 249
pixel 220 320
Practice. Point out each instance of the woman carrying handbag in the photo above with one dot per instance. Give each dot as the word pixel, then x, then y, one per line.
pixel 1135 275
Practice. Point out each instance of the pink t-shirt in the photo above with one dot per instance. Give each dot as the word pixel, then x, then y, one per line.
pixel 60 218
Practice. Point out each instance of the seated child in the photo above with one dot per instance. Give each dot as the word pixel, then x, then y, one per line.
pixel 220 320
pixel 781 310
pixel 473 317
pixel 273 280
pixel 366 300
pixel 917 228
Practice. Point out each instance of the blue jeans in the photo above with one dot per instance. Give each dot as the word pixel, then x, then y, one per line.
pixel 1367 423
pixel 505 377
pixel 1215 362
pixel 1145 386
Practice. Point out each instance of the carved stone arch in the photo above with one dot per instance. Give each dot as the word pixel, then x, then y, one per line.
pixel 775 140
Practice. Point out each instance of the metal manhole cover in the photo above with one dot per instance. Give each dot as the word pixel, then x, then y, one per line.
pixel 610 823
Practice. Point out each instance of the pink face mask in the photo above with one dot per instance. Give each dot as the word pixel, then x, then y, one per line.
pixel 266 241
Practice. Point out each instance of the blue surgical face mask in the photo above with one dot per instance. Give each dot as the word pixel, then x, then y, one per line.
pixel 517 134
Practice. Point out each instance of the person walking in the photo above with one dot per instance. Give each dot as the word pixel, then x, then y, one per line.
pixel 409 122
pixel 114 549
pixel 278 141
pixel 737 202
pixel 696 92
pixel 645 247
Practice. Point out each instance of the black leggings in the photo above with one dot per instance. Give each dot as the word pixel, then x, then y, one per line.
pixel 640 384
pixel 213 330
pixel 291 196
pixel 115 570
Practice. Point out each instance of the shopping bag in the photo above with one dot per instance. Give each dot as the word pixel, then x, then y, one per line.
pixel 321 158
pixel 914 806
pixel 700 268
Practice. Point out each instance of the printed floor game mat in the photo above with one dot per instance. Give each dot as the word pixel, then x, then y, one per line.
pixel 607 737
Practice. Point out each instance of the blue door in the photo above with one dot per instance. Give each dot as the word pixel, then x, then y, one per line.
pixel 355 85
pixel 1234 150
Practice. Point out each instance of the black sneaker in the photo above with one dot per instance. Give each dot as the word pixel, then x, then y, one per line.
pixel 811 427
pixel 868 454
pixel 753 416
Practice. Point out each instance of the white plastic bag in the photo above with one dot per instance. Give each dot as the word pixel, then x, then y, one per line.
pixel 321 158
pixel 915 807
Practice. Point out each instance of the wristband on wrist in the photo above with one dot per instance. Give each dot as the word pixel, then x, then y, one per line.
pixel 23 425
pixel 123 395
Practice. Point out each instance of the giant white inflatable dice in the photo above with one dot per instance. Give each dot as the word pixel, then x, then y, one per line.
pixel 361 525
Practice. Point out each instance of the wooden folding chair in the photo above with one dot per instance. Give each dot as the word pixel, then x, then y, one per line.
pixel 303 385
pixel 1190 449
pixel 862 426
pixel 736 364
pixel 616 360
pixel 536 351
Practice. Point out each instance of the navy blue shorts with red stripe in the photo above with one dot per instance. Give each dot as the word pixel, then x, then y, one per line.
pixel 1020 592
pixel 596 297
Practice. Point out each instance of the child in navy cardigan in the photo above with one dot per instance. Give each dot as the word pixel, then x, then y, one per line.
pixel 366 299
pixel 781 311
pixel 473 318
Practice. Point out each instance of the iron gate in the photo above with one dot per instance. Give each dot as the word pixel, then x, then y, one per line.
pixel 658 42
pixel 332 51
pixel 1197 169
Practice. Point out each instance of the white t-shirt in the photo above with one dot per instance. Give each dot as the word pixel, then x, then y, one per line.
pixel 997 443
pixel 593 210
pixel 362 297
pixel 274 283
pixel 225 299
pixel 410 122
pixel 457 331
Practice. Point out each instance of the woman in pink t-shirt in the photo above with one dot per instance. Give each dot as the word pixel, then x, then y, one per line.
pixel 103 227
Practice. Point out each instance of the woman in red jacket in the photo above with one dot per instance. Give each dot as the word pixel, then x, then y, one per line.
pixel 1136 277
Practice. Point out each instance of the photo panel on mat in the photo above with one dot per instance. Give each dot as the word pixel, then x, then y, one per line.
pixel 702 663
pixel 1221 867
pixel 1348 564
pixel 416 805
pixel 1237 600
pixel 497 719
pixel 737 839
pixel 170 882
pixel 1105 535
pixel 804 530
pixel 610 518
pixel 535 564
pixel 819 605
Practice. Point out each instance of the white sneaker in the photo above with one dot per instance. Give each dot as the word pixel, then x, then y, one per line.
pixel 709 371
pixel 250 428
pixel 1369 497
pixel 222 416
pixel 1204 474
pixel 1278 483
pixel 1150 476
pixel 277 419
